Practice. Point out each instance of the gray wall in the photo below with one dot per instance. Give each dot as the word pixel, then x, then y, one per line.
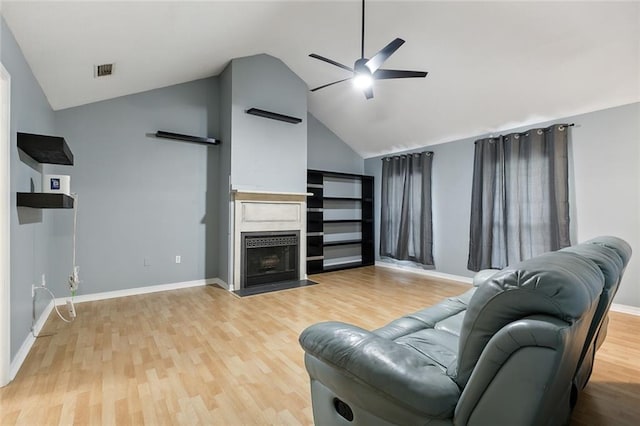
pixel 224 169
pixel 326 151
pixel 141 197
pixel 30 112
pixel 268 154
pixel 606 160
pixel 604 182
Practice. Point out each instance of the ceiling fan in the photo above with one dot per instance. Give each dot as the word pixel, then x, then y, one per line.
pixel 366 70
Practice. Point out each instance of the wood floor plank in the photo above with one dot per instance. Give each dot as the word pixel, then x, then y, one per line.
pixel 204 356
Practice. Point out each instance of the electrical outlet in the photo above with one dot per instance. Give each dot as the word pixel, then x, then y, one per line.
pixel 178 259
pixel 147 261
pixel 44 281
pixel 71 309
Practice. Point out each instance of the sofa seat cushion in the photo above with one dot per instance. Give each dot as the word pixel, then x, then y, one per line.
pixel 452 325
pixel 438 316
pixel 433 332
pixel 365 364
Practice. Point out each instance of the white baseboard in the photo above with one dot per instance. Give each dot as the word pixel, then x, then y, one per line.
pixel 433 274
pixel 25 348
pixel 220 283
pixel 136 291
pixel 625 309
pixel 17 361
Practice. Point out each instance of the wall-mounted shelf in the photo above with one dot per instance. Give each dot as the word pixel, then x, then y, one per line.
pixel 49 150
pixel 186 138
pixel 42 200
pixel 273 115
pixel 45 149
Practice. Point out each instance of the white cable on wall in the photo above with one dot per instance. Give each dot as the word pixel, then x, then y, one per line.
pixel 73 282
pixel 74 279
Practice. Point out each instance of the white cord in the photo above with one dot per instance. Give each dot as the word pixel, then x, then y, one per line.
pixel 75 221
pixel 53 297
pixel 74 279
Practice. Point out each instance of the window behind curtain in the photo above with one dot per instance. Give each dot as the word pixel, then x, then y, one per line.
pixel 520 197
pixel 405 225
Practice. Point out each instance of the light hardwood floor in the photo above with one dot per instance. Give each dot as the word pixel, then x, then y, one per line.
pixel 205 356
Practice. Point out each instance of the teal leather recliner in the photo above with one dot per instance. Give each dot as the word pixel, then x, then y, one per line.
pixel 515 350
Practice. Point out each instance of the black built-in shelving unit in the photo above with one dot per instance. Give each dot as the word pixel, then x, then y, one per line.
pixel 324 208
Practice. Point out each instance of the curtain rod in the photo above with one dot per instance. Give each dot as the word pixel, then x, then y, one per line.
pixel 388 157
pixel 546 129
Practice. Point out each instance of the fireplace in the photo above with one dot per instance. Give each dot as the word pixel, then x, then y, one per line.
pixel 269 257
pixel 270 215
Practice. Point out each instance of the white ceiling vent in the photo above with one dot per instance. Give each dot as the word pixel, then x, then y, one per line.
pixel 102 70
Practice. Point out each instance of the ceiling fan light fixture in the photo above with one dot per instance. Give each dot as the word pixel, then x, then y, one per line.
pixel 363 81
pixel 365 70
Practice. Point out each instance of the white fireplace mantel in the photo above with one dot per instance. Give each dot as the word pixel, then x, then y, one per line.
pixel 241 193
pixel 264 211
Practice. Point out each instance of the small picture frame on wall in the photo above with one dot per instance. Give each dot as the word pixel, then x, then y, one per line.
pixel 57 184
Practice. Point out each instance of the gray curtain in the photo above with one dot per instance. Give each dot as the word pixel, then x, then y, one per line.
pixel 405 219
pixel 520 197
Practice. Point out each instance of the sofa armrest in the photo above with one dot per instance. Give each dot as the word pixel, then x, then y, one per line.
pixel 514 373
pixel 401 374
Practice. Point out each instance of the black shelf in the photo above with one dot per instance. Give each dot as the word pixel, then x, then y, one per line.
pixel 342 198
pixel 187 138
pixel 45 149
pixel 342 220
pixel 49 150
pixel 342 243
pixel 44 200
pixel 339 175
pixel 274 115
pixel 340 266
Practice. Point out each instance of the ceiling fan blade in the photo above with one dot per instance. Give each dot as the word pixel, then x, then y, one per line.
pixel 330 84
pixel 383 74
pixel 376 61
pixel 368 92
pixel 330 61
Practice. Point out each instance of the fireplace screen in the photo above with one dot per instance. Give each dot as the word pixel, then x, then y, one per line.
pixel 269 257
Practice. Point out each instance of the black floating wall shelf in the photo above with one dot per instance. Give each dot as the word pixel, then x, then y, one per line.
pixel 42 200
pixel 186 138
pixel 45 149
pixel 273 115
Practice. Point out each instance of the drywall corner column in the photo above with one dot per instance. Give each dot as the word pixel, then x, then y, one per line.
pixel 5 227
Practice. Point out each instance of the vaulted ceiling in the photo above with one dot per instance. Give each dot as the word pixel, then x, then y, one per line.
pixel 492 65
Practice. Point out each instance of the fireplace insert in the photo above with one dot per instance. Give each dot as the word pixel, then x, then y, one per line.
pixel 269 257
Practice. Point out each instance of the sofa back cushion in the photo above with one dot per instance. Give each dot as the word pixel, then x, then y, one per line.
pixel 611 254
pixel 616 244
pixel 560 284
